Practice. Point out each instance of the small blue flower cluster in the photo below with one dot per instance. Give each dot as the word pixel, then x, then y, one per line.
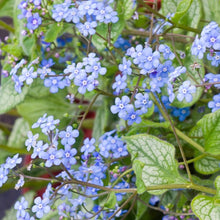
pixel 85 14
pixel 29 9
pixel 84 74
pixel 5 168
pixel 209 41
pixel 91 170
pixel 158 76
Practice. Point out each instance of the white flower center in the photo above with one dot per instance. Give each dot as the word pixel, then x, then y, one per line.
pixel 121 106
pixel 184 91
pixel 149 58
pixel 212 39
pixel 133 116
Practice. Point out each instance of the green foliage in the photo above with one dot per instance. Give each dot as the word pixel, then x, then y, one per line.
pixel 181 10
pixel 53 31
pixel 141 208
pixel 111 200
pixel 9 97
pixel 126 8
pixel 157 159
pixel 208 127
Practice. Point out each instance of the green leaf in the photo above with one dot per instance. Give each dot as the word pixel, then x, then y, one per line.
pixel 53 31
pixel 6 8
pixel 13 49
pixel 207 165
pixel 142 208
pixel 211 10
pixel 28 44
pixel 138 167
pixel 191 17
pixel 204 208
pixel 32 108
pixel 169 6
pixel 210 127
pixel 102 30
pixel 103 120
pixel 182 8
pixel 9 97
pixel 145 125
pixel 18 134
pixel 158 157
pixel 126 8
pixel 111 201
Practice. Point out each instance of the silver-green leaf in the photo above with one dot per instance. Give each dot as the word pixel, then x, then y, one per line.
pixel 158 161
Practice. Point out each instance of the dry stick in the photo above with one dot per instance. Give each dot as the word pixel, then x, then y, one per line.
pixel 123 205
pixel 178 142
pixel 166 116
pixel 89 44
pixel 88 109
pixel 135 88
pixel 131 207
pixel 207 84
pixel 180 62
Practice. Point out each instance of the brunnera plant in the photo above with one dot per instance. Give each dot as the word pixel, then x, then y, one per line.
pixel 117 109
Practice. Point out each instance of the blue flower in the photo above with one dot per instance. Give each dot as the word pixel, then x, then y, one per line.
pixel 119 83
pixel 96 69
pixel 68 136
pixel 182 113
pixel 44 71
pixel 215 104
pixel 185 91
pixel 74 70
pixel 120 106
pixel 120 151
pixel 176 73
pixel 215 59
pixel 87 28
pixel 60 11
pixel 31 141
pixel 213 39
pixel 55 83
pixel 40 121
pixel 153 200
pixel 41 207
pixel 198 47
pixel 49 124
pixel 87 7
pixel 125 67
pixel 52 157
pixel 213 78
pixel 39 149
pixel 167 54
pixel 88 146
pixel 68 158
pixel 33 21
pixel 106 14
pixel 142 101
pixel 11 162
pixel 164 69
pixel 157 83
pixel 72 14
pixel 149 60
pixel 21 206
pixel 18 83
pixel 84 82
pixel 132 115
pixel 3 175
